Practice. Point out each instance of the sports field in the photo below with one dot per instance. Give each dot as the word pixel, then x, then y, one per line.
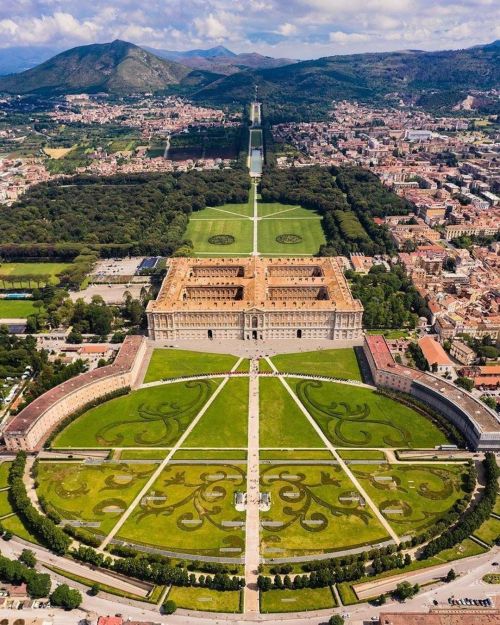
pixel 29 275
pixel 338 363
pixel 16 309
pixel 97 494
pixel 150 417
pixel 351 416
pixel 173 363
pixel 190 509
pixel 314 509
pixel 412 498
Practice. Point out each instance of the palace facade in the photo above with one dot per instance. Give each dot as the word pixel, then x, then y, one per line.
pixel 255 298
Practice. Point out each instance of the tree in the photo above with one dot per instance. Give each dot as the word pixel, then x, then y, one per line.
pixel 94 590
pixel 465 383
pixel 405 590
pixel 66 597
pixel 450 576
pixel 28 558
pixel 38 585
pixel 169 607
pixel 75 337
pixel 336 619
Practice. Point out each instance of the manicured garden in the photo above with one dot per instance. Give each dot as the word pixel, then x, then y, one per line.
pixel 297 600
pixel 282 424
pixel 224 424
pixel 307 230
pixel 150 417
pixel 205 599
pixel 30 275
pixel 172 363
pixel 352 416
pixel 489 532
pixel 91 493
pixel 190 509
pixel 412 498
pixel 314 509
pixel 339 363
pixel 200 230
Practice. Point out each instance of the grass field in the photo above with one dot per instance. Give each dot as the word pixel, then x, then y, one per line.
pixel 360 454
pixel 309 229
pixel 281 422
pixel 295 454
pixel 16 309
pixel 264 366
pixel 224 424
pixel 206 599
pixel 4 474
pixel 297 600
pixel 211 454
pixel 172 363
pixel 23 270
pixel 339 363
pixel 412 498
pixel 91 493
pixel 143 454
pixel 358 417
pixel 195 513
pixel 14 525
pixel 319 510
pixel 489 532
pixel 200 229
pixel 150 417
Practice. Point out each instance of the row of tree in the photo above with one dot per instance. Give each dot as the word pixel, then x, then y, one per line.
pixel 17 572
pixel 43 528
pixel 156 569
pixel 472 518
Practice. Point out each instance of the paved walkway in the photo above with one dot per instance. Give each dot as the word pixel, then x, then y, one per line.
pixel 252 533
pixel 341 462
pixel 164 463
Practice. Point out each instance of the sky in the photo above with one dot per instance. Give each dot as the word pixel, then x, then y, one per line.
pixel 298 29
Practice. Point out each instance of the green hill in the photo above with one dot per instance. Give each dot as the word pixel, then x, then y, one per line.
pixel 117 67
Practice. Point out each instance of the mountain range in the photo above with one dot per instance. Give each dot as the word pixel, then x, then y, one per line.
pixel 293 89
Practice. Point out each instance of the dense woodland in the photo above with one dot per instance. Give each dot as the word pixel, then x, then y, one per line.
pixel 347 198
pixel 136 214
pixel 389 298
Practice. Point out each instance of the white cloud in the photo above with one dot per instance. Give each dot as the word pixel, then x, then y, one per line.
pixel 345 38
pixel 211 28
pixel 286 29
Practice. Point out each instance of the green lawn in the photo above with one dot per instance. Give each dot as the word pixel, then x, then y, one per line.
pixel 244 366
pixel 255 138
pixel 14 525
pixel 284 211
pixel 200 229
pixel 211 454
pixel 282 424
pixel 412 498
pixel 318 508
pixel 4 474
pixel 22 271
pixel 5 507
pixel 205 599
pixel 16 309
pixel 224 424
pixel 308 229
pixel 339 363
pixel 172 363
pixel 360 454
pixel 351 416
pixel 295 454
pixel 297 600
pixel 489 531
pixel 91 493
pixel 264 366
pixel 192 511
pixel 143 454
pixel 150 417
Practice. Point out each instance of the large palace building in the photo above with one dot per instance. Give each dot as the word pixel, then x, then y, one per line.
pixel 255 298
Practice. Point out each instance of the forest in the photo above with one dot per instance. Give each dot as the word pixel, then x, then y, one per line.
pixel 118 215
pixel 347 198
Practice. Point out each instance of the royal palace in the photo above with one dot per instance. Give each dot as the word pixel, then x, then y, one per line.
pixel 255 298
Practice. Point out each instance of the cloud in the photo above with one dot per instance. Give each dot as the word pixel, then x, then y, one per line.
pixel 344 38
pixel 293 28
